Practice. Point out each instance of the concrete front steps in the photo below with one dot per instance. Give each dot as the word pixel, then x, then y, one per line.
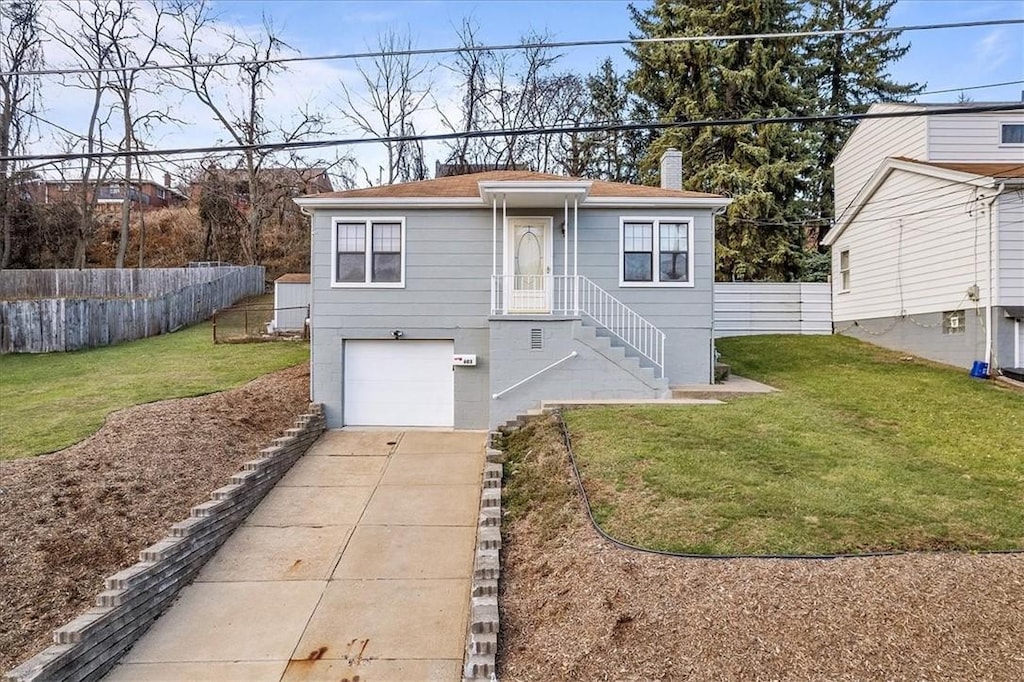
pixel 617 352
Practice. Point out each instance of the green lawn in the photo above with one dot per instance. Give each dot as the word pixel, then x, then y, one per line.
pixel 50 401
pixel 861 451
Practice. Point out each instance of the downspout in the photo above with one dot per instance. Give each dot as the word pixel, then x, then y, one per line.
pixel 312 248
pixel 993 254
pixel 714 268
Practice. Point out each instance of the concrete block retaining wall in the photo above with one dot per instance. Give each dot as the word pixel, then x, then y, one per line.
pixel 89 646
pixel 482 637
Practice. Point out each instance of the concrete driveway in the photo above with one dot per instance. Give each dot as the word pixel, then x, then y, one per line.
pixel 356 566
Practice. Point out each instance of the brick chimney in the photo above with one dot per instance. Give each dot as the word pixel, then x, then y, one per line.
pixel 672 169
pixel 167 180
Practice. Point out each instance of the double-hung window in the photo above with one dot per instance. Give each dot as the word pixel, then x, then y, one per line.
pixel 1011 133
pixel 844 270
pixel 656 251
pixel 369 252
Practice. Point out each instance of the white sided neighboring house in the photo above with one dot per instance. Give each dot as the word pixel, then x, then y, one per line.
pixel 465 301
pixel 928 241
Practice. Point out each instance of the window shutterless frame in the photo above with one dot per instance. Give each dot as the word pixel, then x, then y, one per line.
pixel 363 257
pixel 844 271
pixel 665 251
pixel 1011 134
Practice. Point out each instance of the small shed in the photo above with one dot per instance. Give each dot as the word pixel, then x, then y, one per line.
pixel 291 301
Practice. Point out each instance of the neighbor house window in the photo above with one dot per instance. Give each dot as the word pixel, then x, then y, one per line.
pixel 656 251
pixel 954 322
pixel 1012 133
pixel 369 252
pixel 844 270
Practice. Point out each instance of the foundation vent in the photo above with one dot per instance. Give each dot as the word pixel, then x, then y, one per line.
pixel 536 339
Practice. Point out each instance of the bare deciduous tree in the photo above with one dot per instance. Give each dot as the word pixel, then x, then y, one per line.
pixel 134 37
pixel 235 95
pixel 20 50
pixel 393 89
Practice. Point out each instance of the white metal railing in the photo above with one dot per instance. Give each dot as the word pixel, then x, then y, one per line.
pixel 622 321
pixel 536 374
pixel 577 295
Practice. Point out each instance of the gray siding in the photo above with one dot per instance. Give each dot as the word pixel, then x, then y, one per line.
pixel 447 296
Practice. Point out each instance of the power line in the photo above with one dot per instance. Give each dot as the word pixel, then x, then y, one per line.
pixel 970 87
pixel 521 132
pixel 516 46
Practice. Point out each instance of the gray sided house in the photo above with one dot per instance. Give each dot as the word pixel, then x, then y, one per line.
pixel 464 301
pixel 928 244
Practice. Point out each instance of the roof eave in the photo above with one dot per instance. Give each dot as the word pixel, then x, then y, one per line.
pixel 886 169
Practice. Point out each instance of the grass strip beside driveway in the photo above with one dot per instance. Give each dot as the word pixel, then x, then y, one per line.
pixel 49 401
pixel 863 451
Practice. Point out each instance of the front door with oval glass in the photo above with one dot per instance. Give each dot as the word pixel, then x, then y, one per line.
pixel 528 284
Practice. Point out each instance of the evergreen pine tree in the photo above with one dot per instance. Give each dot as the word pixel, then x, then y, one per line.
pixel 763 167
pixel 847 73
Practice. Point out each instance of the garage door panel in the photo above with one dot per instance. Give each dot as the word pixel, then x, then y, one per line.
pixel 399 383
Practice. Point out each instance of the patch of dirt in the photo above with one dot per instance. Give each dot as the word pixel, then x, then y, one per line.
pixel 70 519
pixel 575 607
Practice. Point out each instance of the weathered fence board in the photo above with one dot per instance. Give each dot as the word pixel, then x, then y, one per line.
pixel 103 282
pixel 140 303
pixel 746 308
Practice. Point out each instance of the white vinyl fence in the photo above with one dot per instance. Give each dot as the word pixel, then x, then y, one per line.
pixel 43 311
pixel 747 308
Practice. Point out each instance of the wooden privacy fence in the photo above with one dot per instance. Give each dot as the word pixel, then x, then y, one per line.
pixel 746 308
pixel 57 312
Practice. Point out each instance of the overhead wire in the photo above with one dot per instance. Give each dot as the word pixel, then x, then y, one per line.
pixel 417 52
pixel 520 132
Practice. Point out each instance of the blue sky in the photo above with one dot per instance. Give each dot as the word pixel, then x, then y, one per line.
pixel 944 59
pixel 947 58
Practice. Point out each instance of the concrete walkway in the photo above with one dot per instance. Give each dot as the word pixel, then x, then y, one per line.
pixel 356 566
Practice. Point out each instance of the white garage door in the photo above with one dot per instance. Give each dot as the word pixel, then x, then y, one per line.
pixel 399 383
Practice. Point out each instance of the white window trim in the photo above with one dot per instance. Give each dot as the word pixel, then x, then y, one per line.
pixel 839 265
pixel 656 236
pixel 368 222
pixel 1003 124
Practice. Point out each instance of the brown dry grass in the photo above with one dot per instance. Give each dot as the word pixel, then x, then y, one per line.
pixel 71 518
pixel 575 607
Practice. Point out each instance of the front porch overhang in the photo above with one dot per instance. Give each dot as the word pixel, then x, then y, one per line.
pixel 534 193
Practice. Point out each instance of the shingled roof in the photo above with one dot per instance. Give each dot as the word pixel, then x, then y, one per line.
pixel 467 186
pixel 986 170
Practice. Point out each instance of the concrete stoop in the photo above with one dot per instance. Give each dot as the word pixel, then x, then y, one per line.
pixel 482 634
pixel 616 352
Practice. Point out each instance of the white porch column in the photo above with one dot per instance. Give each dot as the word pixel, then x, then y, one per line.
pixel 506 284
pixel 564 306
pixel 494 254
pixel 575 254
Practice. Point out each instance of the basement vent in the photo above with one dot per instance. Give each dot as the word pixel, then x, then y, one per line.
pixel 536 339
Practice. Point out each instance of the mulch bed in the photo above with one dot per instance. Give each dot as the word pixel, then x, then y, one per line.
pixel 71 518
pixel 574 607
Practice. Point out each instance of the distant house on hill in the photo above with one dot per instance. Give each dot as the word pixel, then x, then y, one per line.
pixel 145 194
pixel 277 182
